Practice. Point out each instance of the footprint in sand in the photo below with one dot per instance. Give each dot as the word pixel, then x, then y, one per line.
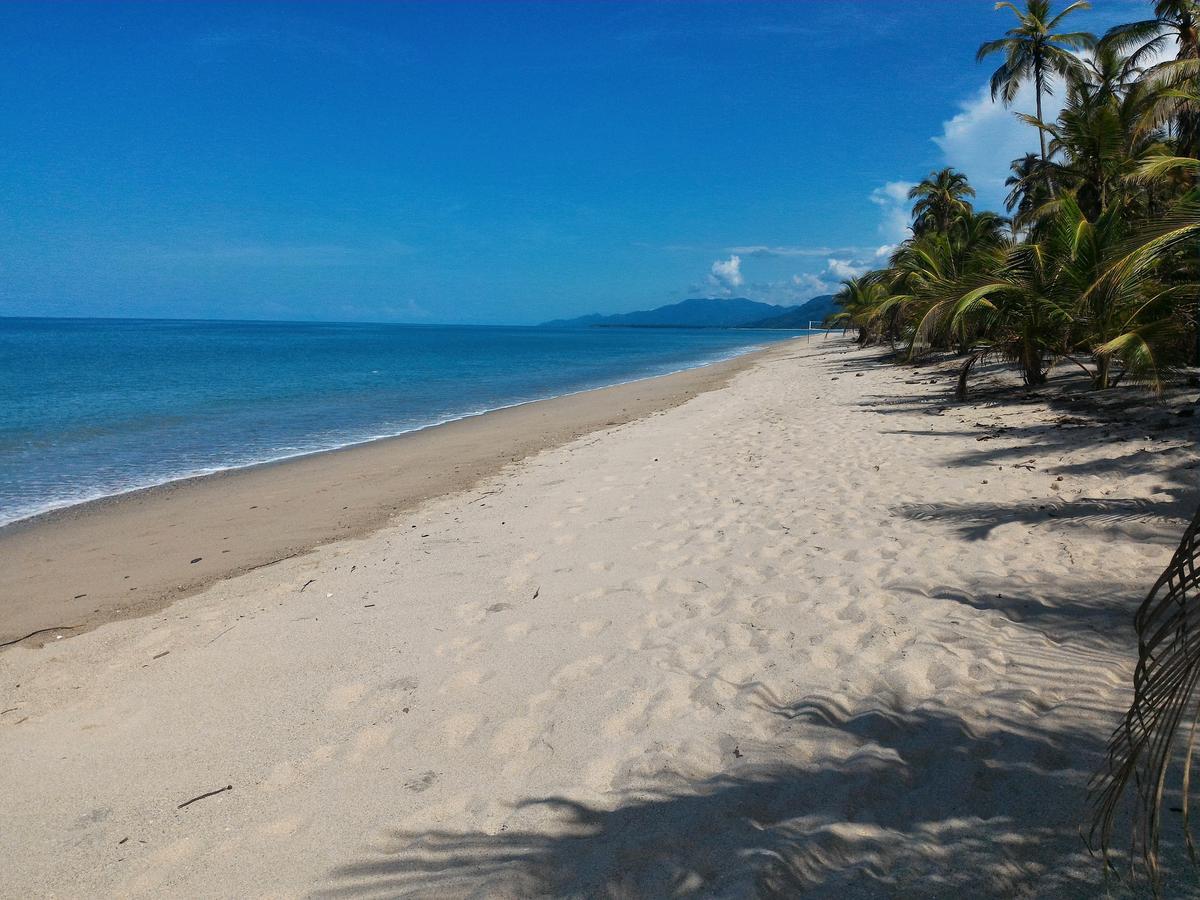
pixel 369 741
pixel 574 671
pixel 593 627
pixel 422 782
pixel 517 630
pixel 457 730
pixel 459 649
pixel 345 696
pixel 514 736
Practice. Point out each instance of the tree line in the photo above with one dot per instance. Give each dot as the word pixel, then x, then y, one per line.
pixel 1096 264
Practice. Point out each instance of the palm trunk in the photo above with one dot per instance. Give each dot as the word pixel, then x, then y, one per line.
pixel 1037 91
pixel 1031 363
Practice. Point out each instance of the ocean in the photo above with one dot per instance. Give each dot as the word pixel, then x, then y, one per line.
pixel 95 407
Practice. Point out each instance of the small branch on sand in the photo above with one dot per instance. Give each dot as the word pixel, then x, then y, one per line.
pixel 226 631
pixel 40 631
pixel 306 584
pixel 228 787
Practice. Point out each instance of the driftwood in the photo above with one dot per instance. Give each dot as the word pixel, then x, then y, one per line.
pixel 228 787
pixel 39 631
pixel 1144 746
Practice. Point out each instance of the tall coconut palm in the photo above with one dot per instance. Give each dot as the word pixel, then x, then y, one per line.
pixel 1035 52
pixel 941 200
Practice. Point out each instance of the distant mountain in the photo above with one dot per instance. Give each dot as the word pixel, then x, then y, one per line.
pixel 816 310
pixel 697 313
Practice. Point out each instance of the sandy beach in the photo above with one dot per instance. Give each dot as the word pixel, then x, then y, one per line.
pixel 131 554
pixel 794 624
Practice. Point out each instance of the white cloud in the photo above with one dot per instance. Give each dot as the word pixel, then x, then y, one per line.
pixel 892 200
pixel 884 251
pixel 841 268
pixel 763 250
pixel 727 273
pixel 810 285
pixel 984 137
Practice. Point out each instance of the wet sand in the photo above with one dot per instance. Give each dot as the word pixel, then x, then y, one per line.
pixel 68 571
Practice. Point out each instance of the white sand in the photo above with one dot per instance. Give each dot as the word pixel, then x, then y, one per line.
pixel 796 633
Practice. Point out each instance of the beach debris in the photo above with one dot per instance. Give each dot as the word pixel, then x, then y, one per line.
pixel 226 631
pixel 306 584
pixel 228 787
pixel 79 596
pixel 40 631
pixel 160 655
pixel 196 560
pixel 536 591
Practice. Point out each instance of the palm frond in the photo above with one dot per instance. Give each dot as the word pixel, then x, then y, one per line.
pixel 1146 743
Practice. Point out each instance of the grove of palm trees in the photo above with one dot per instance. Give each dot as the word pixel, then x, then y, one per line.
pixel 1095 265
pixel 1094 268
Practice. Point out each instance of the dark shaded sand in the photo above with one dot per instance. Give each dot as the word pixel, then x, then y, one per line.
pixel 73 569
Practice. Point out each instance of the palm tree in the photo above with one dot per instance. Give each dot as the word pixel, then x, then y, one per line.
pixel 941 201
pixel 1087 286
pixel 1030 189
pixel 1100 138
pixel 1178 19
pixel 863 303
pixel 1034 52
pixel 1175 21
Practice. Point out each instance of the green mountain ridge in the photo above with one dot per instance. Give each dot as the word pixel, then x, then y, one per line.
pixel 708 312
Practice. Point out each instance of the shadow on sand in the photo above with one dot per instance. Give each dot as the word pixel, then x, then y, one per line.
pixel 982 800
pixel 926 806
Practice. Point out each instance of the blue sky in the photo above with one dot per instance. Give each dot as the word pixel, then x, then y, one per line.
pixel 457 162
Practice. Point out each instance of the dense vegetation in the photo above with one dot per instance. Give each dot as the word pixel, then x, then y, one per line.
pixel 1096 264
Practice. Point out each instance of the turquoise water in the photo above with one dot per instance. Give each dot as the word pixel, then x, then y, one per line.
pixel 94 407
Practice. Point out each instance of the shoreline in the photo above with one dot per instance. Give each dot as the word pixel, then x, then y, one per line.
pixel 69 505
pixel 73 568
pixel 774 637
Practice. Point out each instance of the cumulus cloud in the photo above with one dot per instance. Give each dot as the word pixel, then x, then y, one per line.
pixel 841 268
pixel 727 273
pixel 809 285
pixel 984 137
pixel 892 200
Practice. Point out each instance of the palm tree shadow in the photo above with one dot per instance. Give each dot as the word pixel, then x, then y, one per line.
pixel 1134 518
pixel 918 803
